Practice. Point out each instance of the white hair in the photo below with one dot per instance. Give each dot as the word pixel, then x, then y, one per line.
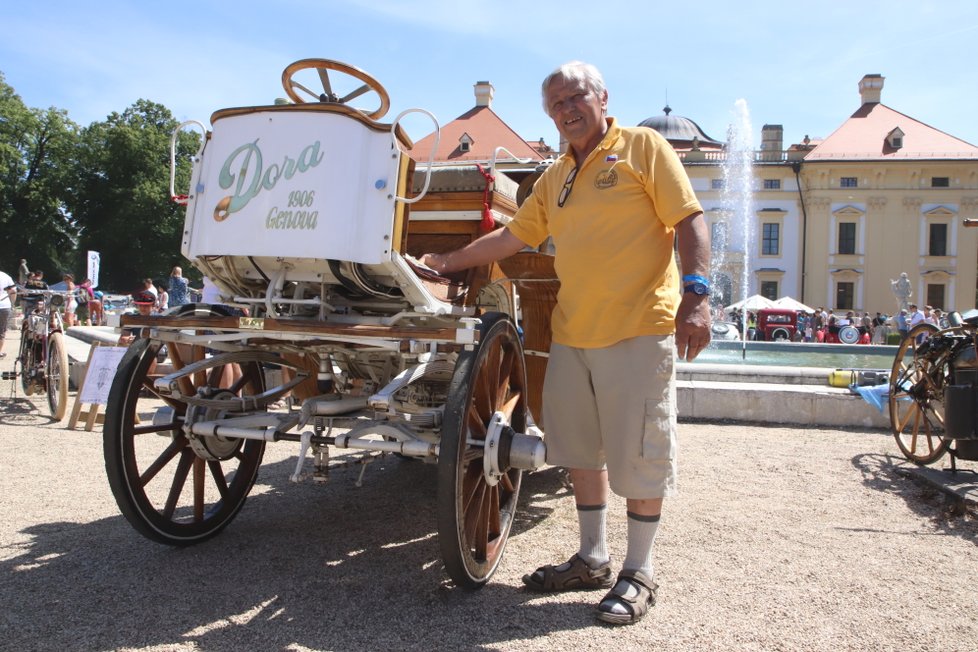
pixel 577 71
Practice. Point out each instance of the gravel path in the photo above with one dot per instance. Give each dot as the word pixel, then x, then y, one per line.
pixel 782 539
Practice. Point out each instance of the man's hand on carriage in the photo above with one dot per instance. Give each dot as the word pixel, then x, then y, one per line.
pixel 437 263
pixel 692 326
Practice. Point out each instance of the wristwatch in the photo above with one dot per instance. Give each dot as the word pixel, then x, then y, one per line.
pixel 696 284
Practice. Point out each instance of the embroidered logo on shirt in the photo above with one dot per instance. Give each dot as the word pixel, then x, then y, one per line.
pixel 606 179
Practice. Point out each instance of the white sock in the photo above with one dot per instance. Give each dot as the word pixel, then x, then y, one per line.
pixel 641 538
pixel 592 519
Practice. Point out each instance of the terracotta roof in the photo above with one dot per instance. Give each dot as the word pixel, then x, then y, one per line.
pixel 486 131
pixel 864 137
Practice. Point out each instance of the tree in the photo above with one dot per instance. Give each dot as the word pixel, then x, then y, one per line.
pixel 122 203
pixel 35 161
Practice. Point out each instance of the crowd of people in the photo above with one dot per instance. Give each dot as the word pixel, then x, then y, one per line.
pixel 84 304
pixel 823 325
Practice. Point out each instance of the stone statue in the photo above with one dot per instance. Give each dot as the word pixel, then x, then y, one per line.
pixel 902 291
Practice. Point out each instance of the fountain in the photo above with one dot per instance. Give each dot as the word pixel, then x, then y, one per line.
pixel 734 243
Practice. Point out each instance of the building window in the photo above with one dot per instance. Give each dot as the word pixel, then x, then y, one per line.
pixel 940 182
pixel 772 184
pixel 770 239
pixel 769 290
pixel 718 236
pixel 848 182
pixel 935 295
pixel 717 184
pixel 847 237
pixel 938 240
pixel 844 293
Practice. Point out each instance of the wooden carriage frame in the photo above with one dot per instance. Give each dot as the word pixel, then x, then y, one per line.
pixel 362 339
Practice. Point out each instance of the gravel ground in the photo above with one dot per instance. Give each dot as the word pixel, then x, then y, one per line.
pixel 782 539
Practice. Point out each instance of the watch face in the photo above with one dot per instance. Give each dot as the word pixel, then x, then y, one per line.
pixel 697 288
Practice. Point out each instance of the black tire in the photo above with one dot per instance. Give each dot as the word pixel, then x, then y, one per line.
pixel 56 376
pixel 780 334
pixel 474 517
pixel 28 354
pixel 166 491
pixel 916 399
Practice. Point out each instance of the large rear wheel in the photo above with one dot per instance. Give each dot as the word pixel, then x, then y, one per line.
pixel 170 489
pixel 917 382
pixel 56 376
pixel 475 514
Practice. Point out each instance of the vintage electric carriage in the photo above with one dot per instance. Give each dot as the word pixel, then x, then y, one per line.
pixel 307 216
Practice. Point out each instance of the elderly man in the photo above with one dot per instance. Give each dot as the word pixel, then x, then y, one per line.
pixel 613 204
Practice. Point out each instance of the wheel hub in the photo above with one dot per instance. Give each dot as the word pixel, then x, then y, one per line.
pixel 210 447
pixel 506 449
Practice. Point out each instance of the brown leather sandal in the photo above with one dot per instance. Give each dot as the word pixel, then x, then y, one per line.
pixel 577 577
pixel 636 605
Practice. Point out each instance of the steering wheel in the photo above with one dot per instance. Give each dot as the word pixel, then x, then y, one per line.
pixel 301 94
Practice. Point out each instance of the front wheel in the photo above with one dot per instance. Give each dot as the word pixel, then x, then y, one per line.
pixel 474 515
pixel 57 376
pixel 171 489
pixel 27 357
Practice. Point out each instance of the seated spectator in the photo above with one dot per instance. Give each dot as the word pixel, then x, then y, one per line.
pixel 144 304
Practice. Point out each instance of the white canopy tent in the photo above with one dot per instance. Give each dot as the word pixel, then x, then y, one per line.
pixel 752 304
pixel 792 304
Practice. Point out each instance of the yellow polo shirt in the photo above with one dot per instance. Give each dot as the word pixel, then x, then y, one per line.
pixel 613 237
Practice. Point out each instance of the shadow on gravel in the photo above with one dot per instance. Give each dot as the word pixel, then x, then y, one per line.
pixel 326 566
pixel 889 474
pixel 22 411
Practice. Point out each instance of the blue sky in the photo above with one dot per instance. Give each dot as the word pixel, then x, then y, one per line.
pixel 795 63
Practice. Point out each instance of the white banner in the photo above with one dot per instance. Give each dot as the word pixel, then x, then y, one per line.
pixel 93 264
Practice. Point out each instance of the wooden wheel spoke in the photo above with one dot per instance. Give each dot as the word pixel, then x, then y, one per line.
pixel 184 465
pixel 475 423
pixel 214 375
pixel 509 406
pixel 507 483
pixel 176 357
pixel 174 449
pixel 200 468
pixel 217 473
pixel 151 428
pixel 504 379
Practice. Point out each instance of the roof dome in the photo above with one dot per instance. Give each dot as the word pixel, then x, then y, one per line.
pixel 680 131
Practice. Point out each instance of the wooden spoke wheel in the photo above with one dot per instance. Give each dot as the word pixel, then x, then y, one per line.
pixel 171 489
pixel 300 86
pixel 56 376
pixel 917 383
pixel 474 514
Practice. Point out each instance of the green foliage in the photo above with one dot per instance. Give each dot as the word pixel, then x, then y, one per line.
pixel 65 190
pixel 122 204
pixel 36 148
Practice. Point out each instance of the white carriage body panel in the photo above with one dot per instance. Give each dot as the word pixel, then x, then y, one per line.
pixel 279 184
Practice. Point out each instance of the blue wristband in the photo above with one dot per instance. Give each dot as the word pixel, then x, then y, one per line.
pixel 695 278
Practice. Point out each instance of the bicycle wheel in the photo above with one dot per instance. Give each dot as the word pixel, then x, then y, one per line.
pixel 57 376
pixel 26 359
pixel 917 383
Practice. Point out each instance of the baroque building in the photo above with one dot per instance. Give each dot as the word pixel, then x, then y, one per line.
pixel 837 221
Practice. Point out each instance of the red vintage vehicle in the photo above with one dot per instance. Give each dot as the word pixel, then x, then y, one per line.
pixel 775 324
